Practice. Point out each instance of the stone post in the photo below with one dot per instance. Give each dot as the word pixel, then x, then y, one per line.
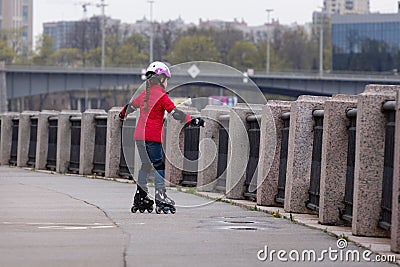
pixel 6 136
pixel 42 143
pixel 113 145
pixel 175 145
pixel 88 132
pixel 334 158
pixel 369 161
pixel 239 149
pixel 300 152
pixel 270 144
pixel 395 225
pixel 64 139
pixel 208 147
pixel 24 136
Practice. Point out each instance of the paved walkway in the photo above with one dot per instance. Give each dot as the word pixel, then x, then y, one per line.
pixel 58 220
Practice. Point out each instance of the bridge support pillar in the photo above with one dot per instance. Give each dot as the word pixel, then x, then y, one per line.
pixel 64 139
pixel 334 158
pixel 6 136
pixel 270 144
pixel 114 142
pixel 239 149
pixel 24 137
pixel 300 152
pixel 208 147
pixel 88 130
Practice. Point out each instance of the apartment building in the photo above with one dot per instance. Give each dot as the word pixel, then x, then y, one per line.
pixel 346 6
pixel 16 18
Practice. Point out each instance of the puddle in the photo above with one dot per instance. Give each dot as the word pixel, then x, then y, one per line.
pixel 239 222
pixel 244 228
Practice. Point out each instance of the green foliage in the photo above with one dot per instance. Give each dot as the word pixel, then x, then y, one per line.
pixel 191 191
pixel 6 53
pixel 93 57
pixel 196 47
pixel 255 208
pixel 295 49
pixel 243 54
pixel 45 51
pixel 343 236
pixel 67 57
pixel 291 48
pixel 128 55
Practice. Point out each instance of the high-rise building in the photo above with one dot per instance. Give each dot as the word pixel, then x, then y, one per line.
pixel 369 42
pixel 60 32
pixel 81 34
pixel 346 6
pixel 16 17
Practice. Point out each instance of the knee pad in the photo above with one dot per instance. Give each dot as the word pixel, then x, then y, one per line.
pixel 159 165
pixel 146 167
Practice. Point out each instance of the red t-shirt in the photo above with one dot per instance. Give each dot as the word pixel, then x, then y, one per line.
pixel 150 123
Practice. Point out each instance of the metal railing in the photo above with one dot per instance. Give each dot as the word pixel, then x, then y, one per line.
pixel 75 149
pixel 253 133
pixel 389 108
pixel 52 143
pixel 33 141
pixel 14 141
pixel 99 155
pixel 191 155
pixel 347 213
pixel 315 176
pixel 280 196
pixel 223 144
pixel 127 158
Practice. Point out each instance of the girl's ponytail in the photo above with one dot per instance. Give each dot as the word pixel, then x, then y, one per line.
pixel 145 107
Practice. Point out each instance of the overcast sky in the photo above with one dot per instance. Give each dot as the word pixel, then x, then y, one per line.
pixel 251 11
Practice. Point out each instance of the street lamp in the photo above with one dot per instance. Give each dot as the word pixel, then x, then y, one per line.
pixel 151 29
pixel 268 39
pixel 321 43
pixel 103 32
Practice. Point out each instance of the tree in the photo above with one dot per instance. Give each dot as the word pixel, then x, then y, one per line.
pixel 163 41
pixel 243 55
pixel 139 41
pixel 224 38
pixel 276 63
pixel 67 56
pixel 192 48
pixel 45 51
pixel 6 53
pixel 93 57
pixel 294 48
pixel 128 55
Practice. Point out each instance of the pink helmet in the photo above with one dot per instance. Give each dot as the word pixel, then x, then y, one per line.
pixel 157 68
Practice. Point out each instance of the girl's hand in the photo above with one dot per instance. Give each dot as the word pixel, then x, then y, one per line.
pixel 198 122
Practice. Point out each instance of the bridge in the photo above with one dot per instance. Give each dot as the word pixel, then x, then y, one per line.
pixel 24 81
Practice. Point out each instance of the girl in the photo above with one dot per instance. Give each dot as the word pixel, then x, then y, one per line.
pixel 153 102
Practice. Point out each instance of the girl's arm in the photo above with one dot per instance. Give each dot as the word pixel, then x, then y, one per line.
pixel 129 108
pixel 179 115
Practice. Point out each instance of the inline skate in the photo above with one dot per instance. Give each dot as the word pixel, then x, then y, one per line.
pixel 163 202
pixel 142 202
